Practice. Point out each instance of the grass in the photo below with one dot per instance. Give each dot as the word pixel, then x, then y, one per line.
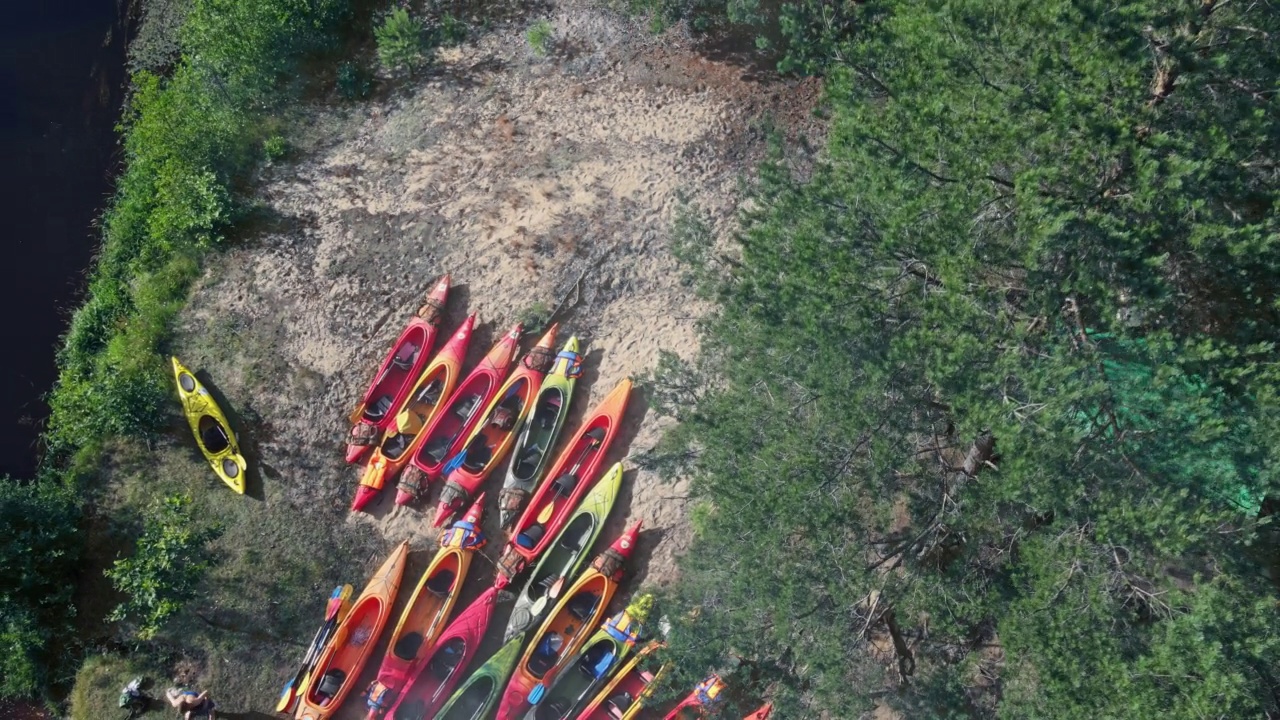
pixel 539 35
pixel 102 677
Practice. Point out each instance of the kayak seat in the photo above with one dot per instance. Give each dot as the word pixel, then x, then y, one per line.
pixel 563 486
pixel 618 704
pixel 438 447
pixel 530 537
pixel 466 406
pixel 405 356
pixel 408 645
pixel 213 435
pixel 478 454
pixel 503 418
pixel 582 606
pixel 442 582
pixel 446 659
pixel 379 408
pixel 430 395
pixel 546 412
pixel 395 445
pixel 330 683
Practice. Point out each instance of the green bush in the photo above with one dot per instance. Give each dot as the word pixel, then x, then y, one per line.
pixel 539 36
pixel 402 41
pixel 162 575
pixel 39 550
pixel 453 31
pixel 354 82
pixel 275 148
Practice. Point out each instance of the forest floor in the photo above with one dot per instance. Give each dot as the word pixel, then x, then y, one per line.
pixel 534 181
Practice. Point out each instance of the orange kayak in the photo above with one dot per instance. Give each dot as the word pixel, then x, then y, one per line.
pixel 572 475
pixel 425 400
pixel 442 438
pixel 403 363
pixel 424 616
pixel 762 714
pixel 487 445
pixel 573 620
pixel 339 667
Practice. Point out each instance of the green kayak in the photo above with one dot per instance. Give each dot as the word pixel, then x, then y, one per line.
pixel 478 695
pixel 532 452
pixel 562 561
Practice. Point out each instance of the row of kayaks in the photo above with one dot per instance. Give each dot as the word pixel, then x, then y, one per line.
pixel 421 421
pixel 562 655
pixel 578 664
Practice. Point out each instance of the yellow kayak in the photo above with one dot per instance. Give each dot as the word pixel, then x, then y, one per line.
pixel 213 432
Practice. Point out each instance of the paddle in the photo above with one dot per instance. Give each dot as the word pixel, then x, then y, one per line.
pixel 541 603
pixel 598 672
pixel 340 597
pixel 596 436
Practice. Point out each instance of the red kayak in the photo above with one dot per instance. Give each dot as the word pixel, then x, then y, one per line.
pixel 439 674
pixel 425 400
pixel 762 714
pixel 489 441
pixel 569 479
pixel 444 436
pixel 698 703
pixel 401 367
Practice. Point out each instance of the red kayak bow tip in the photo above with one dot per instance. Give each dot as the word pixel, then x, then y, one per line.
pixel 444 511
pixel 403 498
pixel 626 542
pixel 355 452
pixel 364 494
pixel 475 512
pixel 440 292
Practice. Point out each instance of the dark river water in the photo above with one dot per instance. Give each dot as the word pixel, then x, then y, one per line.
pixel 61 80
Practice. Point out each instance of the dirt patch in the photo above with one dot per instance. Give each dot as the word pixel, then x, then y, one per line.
pixel 551 181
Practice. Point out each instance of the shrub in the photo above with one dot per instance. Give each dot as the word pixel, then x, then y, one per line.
pixel 535 317
pixel 540 35
pixel 453 31
pixel 402 41
pixel 354 82
pixel 274 148
pixel 168 563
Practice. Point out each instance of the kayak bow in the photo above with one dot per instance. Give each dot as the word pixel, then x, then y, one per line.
pixel 404 362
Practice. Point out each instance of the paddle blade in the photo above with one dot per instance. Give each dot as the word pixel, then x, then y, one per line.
pixel 545 515
pixel 538 606
pixel 344 603
pixel 454 463
pixel 554 591
pixel 356 414
pixel 288 699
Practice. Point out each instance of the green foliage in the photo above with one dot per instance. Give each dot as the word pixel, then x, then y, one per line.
pixel 535 317
pixel 453 31
pixel 96 692
pixel 1045 224
pixel 354 82
pixel 39 548
pixel 402 41
pixel 275 148
pixel 188 140
pixel 539 36
pixel 165 569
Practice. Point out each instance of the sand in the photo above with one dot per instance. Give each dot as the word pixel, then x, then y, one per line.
pixel 530 180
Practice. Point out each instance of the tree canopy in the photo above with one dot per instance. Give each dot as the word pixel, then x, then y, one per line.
pixel 982 425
